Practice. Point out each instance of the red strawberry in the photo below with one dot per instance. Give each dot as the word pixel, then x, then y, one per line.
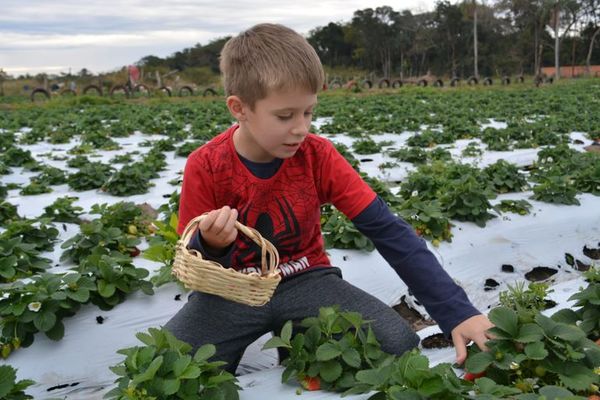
pixel 310 383
pixel 471 377
pixel 134 252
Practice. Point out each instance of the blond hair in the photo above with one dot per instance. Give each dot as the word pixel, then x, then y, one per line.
pixel 269 57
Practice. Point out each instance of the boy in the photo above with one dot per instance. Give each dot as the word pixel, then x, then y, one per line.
pixel 270 173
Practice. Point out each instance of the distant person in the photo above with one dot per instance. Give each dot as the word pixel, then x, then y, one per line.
pixel 268 172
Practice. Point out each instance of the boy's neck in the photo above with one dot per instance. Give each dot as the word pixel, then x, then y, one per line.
pixel 243 147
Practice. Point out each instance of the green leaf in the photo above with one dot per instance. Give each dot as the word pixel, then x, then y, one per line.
pixel 204 353
pixel 7 379
pixel 372 377
pixel 57 332
pixel 506 319
pixel 145 338
pixel 181 364
pixel 170 386
pixel 286 332
pixel 191 372
pixel 44 321
pixel 149 373
pixel 478 362
pixel 529 333
pixel 328 351
pixel 330 370
pixel 274 343
pixel 106 289
pixel 80 296
pixel 536 351
pixel 352 357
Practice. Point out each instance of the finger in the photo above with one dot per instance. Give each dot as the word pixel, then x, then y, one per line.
pixel 208 220
pixel 480 342
pixel 460 346
pixel 220 224
pixel 229 232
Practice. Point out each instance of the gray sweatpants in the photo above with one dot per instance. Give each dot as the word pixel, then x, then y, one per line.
pixel 232 327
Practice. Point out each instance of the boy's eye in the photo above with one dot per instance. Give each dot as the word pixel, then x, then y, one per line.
pixel 284 117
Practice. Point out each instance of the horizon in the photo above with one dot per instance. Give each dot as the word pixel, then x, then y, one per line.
pixel 104 37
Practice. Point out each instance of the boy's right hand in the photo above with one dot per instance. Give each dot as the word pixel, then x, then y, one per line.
pixel 218 228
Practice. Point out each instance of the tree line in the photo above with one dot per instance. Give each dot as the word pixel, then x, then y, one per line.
pixel 467 38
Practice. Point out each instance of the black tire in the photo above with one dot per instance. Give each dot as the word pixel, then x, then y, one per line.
pixel 138 89
pixel 366 84
pixel 473 81
pixel 335 84
pixel 520 79
pixel 39 90
pixel 422 83
pixel 383 83
pixel 165 89
pixel 454 82
pixel 186 89
pixel 65 92
pixel 438 83
pixel 505 80
pixel 209 92
pixel 488 81
pixel 397 83
pixel 119 87
pixel 92 87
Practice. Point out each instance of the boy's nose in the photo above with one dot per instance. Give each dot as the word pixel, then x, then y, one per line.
pixel 300 129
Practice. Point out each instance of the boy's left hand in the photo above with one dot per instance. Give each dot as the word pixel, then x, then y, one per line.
pixel 472 329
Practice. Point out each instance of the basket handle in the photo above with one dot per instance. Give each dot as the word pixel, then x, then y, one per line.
pixel 266 246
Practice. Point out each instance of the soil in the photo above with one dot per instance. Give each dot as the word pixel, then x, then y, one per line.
pixel 594 254
pixel 540 274
pixel 416 320
pixel 437 341
pixel 508 268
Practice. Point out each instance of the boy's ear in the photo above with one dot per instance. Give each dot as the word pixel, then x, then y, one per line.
pixel 236 107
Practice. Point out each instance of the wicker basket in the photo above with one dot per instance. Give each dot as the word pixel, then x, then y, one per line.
pixel 211 277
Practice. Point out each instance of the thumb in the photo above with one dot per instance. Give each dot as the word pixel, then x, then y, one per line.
pixel 460 346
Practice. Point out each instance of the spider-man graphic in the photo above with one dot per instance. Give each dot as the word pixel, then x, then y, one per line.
pixel 286 241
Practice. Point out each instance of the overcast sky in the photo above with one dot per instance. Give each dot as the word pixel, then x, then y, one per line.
pixel 103 35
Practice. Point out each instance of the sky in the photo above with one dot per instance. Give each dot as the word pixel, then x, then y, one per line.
pixel 104 35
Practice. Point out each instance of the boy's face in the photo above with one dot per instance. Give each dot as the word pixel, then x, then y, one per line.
pixel 276 127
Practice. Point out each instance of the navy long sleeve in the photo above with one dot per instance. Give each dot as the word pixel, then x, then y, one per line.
pixel 407 253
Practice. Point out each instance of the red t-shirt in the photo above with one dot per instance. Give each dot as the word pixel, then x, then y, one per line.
pixel 284 208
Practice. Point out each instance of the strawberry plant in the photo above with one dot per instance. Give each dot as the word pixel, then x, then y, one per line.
pixel 466 200
pixel 531 355
pixel 334 347
pixel 415 155
pixel 587 178
pixel 366 146
pixel 115 277
pixel 35 188
pixel 94 237
pixel 77 161
pixel 505 177
pixel 33 231
pixel 62 210
pixel 410 377
pixel 129 180
pixel 171 207
pixel 520 207
pixel 556 189
pixel 16 157
pixel 10 388
pixel 50 176
pixel 472 150
pixel 40 305
pixel 185 149
pixel 585 312
pixel 345 152
pixel 126 216
pixel 8 213
pixel 153 162
pixel 340 233
pixel 3 192
pixel 90 176
pixel 427 219
pixel 163 369
pixel 122 159
pixel 18 259
pixel 162 249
